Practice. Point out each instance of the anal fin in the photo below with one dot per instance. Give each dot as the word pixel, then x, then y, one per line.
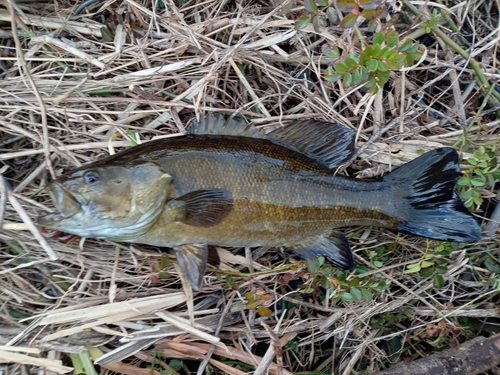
pixel 334 246
pixel 192 260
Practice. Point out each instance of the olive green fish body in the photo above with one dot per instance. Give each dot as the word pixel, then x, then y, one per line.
pixel 280 196
pixel 230 184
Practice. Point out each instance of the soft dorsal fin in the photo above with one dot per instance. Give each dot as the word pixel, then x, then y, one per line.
pixel 220 125
pixel 328 143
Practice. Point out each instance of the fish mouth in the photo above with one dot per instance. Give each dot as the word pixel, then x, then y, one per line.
pixel 65 202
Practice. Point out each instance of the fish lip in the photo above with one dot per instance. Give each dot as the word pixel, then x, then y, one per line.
pixel 66 203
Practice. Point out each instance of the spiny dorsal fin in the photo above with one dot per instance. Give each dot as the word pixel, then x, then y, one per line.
pixel 220 125
pixel 328 143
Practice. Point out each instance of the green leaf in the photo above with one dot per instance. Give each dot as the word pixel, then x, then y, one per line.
pixel 264 311
pixel 492 265
pixel 356 293
pixel 392 65
pixel 312 264
pixel 310 6
pixel 347 79
pixel 382 66
pixel 345 296
pixel 400 58
pixel 413 48
pixel 371 83
pixel 364 74
pixel 176 364
pixel 354 282
pixel 322 3
pixel 392 39
pixel 367 295
pixel 378 38
pixel 333 78
pixel 353 56
pixel 438 281
pixel 426 272
pixel 331 14
pixel 392 54
pixel 372 65
pixel 346 5
pixel 351 64
pixel 477 200
pixel 302 22
pixel 382 76
pixel 426 263
pixel 365 55
pixel 317 24
pixel 341 67
pixel 413 268
pixel 441 270
pixel 463 181
pixel 416 56
pixel 475 192
pixel 384 52
pixel 370 4
pixel 405 46
pixel 349 20
pixel 369 14
pixel 356 76
pixel 330 52
pixel 478 181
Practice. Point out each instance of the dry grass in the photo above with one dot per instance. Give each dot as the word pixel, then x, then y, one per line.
pixel 68 97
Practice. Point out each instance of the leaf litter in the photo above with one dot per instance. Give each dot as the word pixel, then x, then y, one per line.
pixel 76 88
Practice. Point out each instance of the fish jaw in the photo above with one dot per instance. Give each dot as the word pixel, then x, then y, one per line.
pixel 66 205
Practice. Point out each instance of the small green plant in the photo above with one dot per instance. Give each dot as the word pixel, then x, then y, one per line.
pixel 320 10
pixel 259 301
pixel 484 171
pixel 357 288
pixel 431 22
pixel 375 62
pixel 434 263
pixel 341 284
pixel 380 254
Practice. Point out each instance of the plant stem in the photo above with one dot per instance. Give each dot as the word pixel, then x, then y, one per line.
pixel 484 85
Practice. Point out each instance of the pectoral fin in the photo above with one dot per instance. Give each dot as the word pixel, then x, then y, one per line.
pixel 192 260
pixel 334 246
pixel 202 208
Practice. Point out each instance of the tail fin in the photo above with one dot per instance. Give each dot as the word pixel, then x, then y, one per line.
pixel 432 208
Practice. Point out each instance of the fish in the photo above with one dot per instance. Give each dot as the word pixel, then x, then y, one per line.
pixel 228 183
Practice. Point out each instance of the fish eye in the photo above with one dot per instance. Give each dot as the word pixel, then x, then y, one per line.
pixel 91 177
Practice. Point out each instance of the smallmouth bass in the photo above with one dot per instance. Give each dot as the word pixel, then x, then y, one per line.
pixel 230 184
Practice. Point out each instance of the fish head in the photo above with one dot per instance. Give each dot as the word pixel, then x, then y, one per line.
pixel 108 201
